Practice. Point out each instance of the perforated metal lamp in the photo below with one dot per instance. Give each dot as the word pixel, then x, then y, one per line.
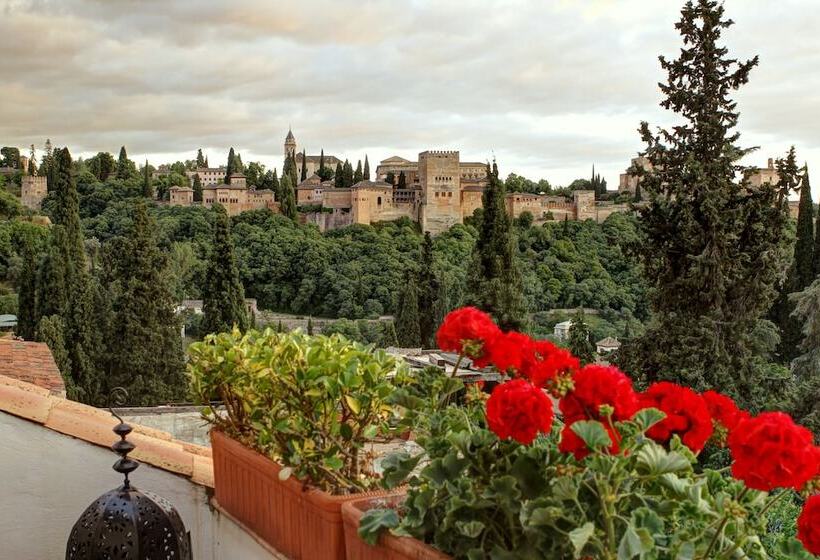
pixel 127 524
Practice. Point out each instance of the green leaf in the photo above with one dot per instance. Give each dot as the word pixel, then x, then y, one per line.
pixel 634 542
pixel 659 461
pixel 374 521
pixel 397 467
pixel 353 404
pixel 334 463
pixel 593 433
pixel 648 417
pixel 470 529
pixel 346 431
pixel 581 535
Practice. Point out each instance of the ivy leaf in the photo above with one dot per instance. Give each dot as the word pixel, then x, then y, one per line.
pixel 580 536
pixel 648 417
pixel 374 521
pixel 593 433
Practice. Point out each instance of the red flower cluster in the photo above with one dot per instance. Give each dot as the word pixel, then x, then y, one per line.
pixel 467 331
pixel 725 415
pixel 686 414
pixel 509 351
pixel 596 386
pixel 808 525
pixel 771 451
pixel 547 362
pixel 519 410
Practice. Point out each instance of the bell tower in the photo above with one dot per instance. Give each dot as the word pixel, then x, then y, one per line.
pixel 290 144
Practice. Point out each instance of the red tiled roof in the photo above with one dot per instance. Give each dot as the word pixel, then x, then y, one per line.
pixel 31 362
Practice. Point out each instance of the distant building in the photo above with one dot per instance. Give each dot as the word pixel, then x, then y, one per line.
pixel 561 330
pixel 8 322
pixel 235 196
pixel 30 362
pixel 311 163
pixel 607 345
pixel 207 175
pixel 628 182
pixel 33 189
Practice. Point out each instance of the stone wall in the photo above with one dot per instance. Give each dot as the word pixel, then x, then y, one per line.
pixel 33 190
pixel 441 190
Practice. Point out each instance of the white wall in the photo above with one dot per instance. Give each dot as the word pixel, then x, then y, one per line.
pixel 48 479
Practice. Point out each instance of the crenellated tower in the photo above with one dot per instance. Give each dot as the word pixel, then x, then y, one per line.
pixel 440 178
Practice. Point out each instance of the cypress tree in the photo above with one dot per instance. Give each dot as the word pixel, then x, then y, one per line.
pixel 712 248
pixel 48 165
pixel 347 175
pixel 428 292
pixel 147 189
pixel 238 166
pixel 407 320
pixel 304 166
pixel 804 244
pixel 26 293
pixel 32 170
pixel 200 159
pixel 145 349
pixel 402 181
pixel 231 169
pixel 292 171
pixel 197 187
pixel 638 195
pixel 390 178
pixel 123 165
pixel 358 175
pixel 579 339
pixel 52 276
pixel 51 331
pixel 223 296
pixel 494 282
pixel 288 203
pixel 338 177
pixel 366 172
pixel 322 163
pixel 274 185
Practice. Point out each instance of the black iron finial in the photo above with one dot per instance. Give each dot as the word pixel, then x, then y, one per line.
pixel 124 465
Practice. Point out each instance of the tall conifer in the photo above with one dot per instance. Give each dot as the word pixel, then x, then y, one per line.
pixel 288 202
pixel 123 165
pixel 712 248
pixel 197 188
pixel 407 319
pixel 338 177
pixel 429 287
pixel 358 175
pixel 494 282
pixel 26 293
pixel 223 295
pixel 200 159
pixel 580 343
pixel 366 171
pixel 231 168
pixel 303 176
pixel 147 189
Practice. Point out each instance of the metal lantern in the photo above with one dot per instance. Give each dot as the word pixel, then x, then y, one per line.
pixel 127 524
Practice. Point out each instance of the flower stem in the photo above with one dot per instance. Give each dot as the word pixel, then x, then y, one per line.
pixel 458 364
pixel 720 528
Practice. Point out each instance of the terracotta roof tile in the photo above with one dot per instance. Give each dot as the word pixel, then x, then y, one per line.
pixel 31 362
pixel 153 447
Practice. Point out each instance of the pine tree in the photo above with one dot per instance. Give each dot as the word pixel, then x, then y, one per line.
pixel 26 293
pixel 145 348
pixel 223 296
pixel 231 168
pixel 200 159
pixel 358 175
pixel 494 282
pixel 712 248
pixel 147 189
pixel 428 292
pixel 366 172
pixel 304 166
pixel 123 165
pixel 288 203
pixel 407 319
pixel 806 405
pixel 338 177
pixel 580 343
pixel 197 187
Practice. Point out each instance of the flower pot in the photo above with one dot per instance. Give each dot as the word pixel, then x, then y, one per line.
pixel 389 547
pixel 301 522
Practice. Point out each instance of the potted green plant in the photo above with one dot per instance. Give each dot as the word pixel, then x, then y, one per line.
pixel 289 435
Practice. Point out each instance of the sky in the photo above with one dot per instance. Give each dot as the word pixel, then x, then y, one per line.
pixel 547 87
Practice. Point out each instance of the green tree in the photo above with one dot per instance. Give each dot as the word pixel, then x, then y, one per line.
pixel 806 405
pixel 428 292
pixel 145 347
pixel 32 169
pixel 580 338
pixel 200 159
pixel 147 188
pixel 288 202
pixel 51 331
pixel 338 177
pixel 303 176
pixel 197 188
pixel 494 284
pixel 712 247
pixel 10 206
pixel 52 275
pixel 347 175
pixel 407 319
pixel 804 244
pixel 255 173
pixel 366 172
pixel 125 167
pixel 231 168
pixel 390 178
pixel 322 163
pixel 274 185
pixel 358 175
pixel 10 157
pixel 402 181
pixel 223 295
pixel 27 294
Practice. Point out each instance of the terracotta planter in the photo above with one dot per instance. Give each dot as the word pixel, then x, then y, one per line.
pixel 300 522
pixel 389 547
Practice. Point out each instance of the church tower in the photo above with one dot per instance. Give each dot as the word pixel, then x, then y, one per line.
pixel 290 144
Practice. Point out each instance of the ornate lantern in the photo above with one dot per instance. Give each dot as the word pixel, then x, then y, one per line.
pixel 126 524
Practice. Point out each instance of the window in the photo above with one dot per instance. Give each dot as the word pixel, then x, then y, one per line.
pixel 379 201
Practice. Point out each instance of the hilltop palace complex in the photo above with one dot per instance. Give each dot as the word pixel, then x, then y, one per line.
pixel 440 191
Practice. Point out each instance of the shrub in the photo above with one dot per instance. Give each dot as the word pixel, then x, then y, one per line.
pixel 310 402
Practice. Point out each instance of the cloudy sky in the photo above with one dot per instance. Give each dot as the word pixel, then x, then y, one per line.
pixel 549 87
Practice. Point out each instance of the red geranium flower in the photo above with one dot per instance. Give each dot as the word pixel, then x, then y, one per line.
pixel 808 525
pixel 725 415
pixel 771 451
pixel 572 443
pixel 595 386
pixel 509 351
pixel 686 414
pixel 466 331
pixel 519 410
pixel 547 362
